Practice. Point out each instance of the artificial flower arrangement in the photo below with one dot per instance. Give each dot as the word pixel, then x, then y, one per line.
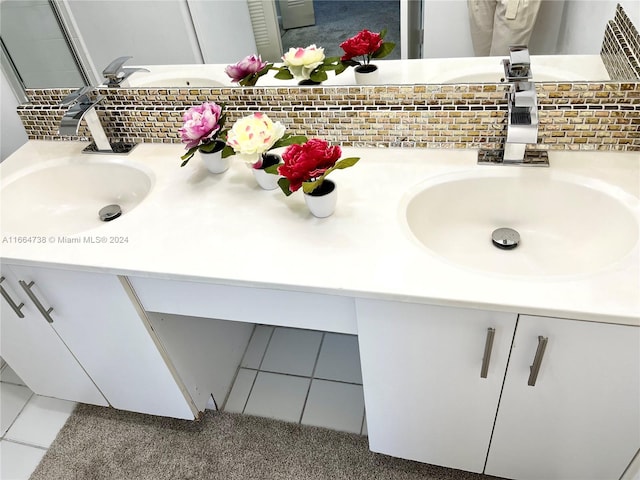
pixel 307 165
pixel 203 129
pixel 251 137
pixel 366 45
pixel 308 63
pixel 248 70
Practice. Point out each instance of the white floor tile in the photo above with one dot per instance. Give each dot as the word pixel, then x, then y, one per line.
pixel 40 421
pixel 13 398
pixel 257 346
pixel 292 351
pixel 339 359
pixel 339 406
pixel 18 461
pixel 240 391
pixel 9 376
pixel 277 396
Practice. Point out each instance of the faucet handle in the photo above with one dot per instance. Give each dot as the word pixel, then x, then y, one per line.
pixel 524 94
pixel 519 55
pixel 113 71
pixel 76 96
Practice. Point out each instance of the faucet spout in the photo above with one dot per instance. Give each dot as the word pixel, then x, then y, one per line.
pixel 116 72
pixel 82 107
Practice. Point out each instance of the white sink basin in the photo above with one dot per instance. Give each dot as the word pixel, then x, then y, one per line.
pixel 172 76
pixel 64 196
pixel 568 225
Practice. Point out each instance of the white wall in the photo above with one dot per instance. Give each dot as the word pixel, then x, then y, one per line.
pixel 563 26
pixel 12 133
pixel 584 23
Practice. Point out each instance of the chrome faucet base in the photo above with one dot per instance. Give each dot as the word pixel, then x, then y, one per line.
pixel 117 148
pixel 532 158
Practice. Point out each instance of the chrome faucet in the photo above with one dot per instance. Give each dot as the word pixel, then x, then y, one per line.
pixel 522 115
pixel 115 72
pixel 81 106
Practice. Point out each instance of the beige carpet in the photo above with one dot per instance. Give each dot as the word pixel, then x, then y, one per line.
pixel 99 443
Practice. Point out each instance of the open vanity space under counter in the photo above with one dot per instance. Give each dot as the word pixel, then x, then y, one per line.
pixel 521 355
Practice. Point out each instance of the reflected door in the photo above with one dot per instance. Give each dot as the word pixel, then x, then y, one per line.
pixel 297 13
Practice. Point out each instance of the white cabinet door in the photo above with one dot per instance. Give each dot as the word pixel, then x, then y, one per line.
pixel 581 418
pixel 36 353
pixel 424 394
pixel 98 322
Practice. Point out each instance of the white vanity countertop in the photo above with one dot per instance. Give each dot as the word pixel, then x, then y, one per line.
pixel 545 68
pixel 225 229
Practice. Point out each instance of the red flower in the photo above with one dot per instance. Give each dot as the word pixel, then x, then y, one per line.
pixel 307 161
pixel 364 43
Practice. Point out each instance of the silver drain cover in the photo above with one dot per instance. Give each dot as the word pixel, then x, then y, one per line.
pixel 110 212
pixel 505 238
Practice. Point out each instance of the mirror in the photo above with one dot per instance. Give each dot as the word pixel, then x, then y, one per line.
pixel 178 32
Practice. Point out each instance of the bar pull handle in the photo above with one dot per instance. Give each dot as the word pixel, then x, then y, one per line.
pixel 488 348
pixel 16 308
pixel 537 360
pixel 46 313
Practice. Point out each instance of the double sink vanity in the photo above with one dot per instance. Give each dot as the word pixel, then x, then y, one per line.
pixel 520 363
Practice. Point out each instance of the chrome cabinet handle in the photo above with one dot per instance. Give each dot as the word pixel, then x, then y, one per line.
pixel 27 288
pixel 488 347
pixel 16 308
pixel 537 360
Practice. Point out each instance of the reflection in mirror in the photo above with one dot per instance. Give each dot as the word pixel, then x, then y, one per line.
pixel 178 32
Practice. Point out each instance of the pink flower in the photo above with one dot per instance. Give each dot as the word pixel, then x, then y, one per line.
pixel 201 124
pixel 365 43
pixel 245 67
pixel 307 161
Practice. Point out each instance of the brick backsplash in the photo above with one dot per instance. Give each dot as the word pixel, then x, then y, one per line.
pixel 573 116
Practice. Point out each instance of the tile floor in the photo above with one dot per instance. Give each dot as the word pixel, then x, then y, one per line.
pixel 28 425
pixel 300 376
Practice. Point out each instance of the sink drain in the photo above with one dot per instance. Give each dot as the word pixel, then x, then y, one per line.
pixel 110 212
pixel 505 238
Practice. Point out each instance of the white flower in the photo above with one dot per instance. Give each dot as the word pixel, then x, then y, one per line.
pixel 302 61
pixel 253 135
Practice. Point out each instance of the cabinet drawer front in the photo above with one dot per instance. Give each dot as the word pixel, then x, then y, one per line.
pixel 315 311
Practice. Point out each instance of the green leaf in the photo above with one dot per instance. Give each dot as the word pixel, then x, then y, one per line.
pixel 384 50
pixel 289 139
pixel 340 165
pixel 318 75
pixel 273 169
pixel 383 33
pixel 216 145
pixel 283 74
pixel 227 151
pixel 308 187
pixel 345 163
pixel 341 68
pixel 284 186
pixel 187 156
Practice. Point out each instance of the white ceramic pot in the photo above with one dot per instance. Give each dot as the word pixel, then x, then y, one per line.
pixel 366 74
pixel 214 161
pixel 268 181
pixel 322 201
